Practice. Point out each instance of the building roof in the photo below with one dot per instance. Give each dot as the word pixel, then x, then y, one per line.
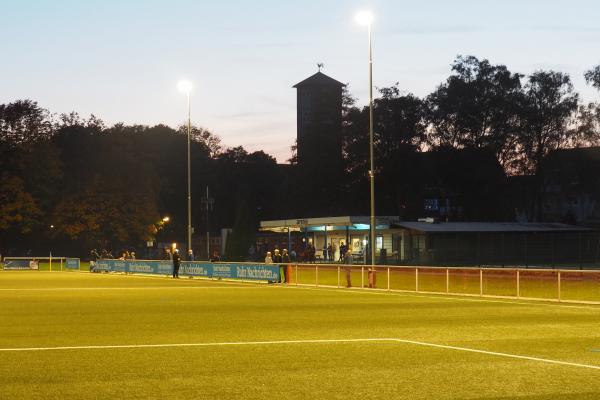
pixel 342 221
pixel 446 227
pixel 319 79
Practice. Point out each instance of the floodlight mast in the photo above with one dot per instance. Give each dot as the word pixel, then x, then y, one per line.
pixel 186 88
pixel 365 18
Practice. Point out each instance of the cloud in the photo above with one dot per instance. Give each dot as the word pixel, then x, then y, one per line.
pixel 435 30
pixel 564 28
pixel 245 115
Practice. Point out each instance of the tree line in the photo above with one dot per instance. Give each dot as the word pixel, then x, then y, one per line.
pixel 68 182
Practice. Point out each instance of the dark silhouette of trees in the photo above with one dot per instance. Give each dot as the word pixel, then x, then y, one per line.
pixel 28 168
pixel 23 122
pixel 593 77
pixel 549 104
pixel 112 192
pixel 110 186
pixel 18 210
pixel 477 107
pixel 588 123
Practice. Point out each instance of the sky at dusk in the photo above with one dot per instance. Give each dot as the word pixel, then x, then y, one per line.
pixel 121 60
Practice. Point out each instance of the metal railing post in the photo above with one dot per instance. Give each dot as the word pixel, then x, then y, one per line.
pixel 481 281
pixel 416 279
pixel 362 277
pixel 558 279
pixel 388 274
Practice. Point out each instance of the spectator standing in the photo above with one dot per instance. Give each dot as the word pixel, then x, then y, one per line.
pixel 293 255
pixel 268 258
pixel 285 257
pixel 176 263
pixel 190 255
pixel 215 257
pixel 348 267
pixel 276 257
pixel 343 249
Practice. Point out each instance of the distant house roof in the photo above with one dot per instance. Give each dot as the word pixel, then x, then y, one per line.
pixel 355 222
pixel 577 154
pixel 446 227
pixel 319 79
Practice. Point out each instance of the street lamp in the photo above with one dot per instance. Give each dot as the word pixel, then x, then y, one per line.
pixel 366 18
pixel 186 88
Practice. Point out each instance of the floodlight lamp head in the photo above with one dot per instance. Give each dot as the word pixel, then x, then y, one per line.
pixel 364 18
pixel 185 87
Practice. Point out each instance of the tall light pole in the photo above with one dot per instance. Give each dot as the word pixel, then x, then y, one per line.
pixel 207 204
pixel 186 88
pixel 366 18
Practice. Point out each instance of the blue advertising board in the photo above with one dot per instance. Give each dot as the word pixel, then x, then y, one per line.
pixel 72 263
pixel 258 272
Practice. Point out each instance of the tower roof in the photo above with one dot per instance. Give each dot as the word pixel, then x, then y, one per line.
pixel 319 79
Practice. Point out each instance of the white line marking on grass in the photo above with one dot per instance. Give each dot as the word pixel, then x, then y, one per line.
pixel 307 341
pixel 449 297
pixel 494 353
pixel 168 277
pixel 123 288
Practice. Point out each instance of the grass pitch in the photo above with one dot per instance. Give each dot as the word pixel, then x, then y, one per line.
pixel 79 335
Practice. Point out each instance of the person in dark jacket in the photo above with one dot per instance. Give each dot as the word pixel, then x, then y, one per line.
pixel 285 257
pixel 348 267
pixel 276 257
pixel 176 263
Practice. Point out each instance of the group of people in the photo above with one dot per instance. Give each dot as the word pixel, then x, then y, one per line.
pixel 107 255
pixel 176 258
pixel 127 255
pixel 168 254
pixel 277 257
pixel 104 254
pixel 283 256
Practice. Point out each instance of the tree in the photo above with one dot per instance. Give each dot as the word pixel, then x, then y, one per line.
pixel 588 118
pixel 24 121
pixel 587 128
pixel 547 111
pixel 399 132
pixel 18 210
pixel 205 137
pixel 593 77
pixel 476 107
pixel 546 120
pixel 114 200
pixel 243 233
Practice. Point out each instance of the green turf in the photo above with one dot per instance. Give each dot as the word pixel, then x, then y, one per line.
pixel 75 309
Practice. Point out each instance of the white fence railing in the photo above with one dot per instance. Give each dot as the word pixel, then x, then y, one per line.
pixel 580 286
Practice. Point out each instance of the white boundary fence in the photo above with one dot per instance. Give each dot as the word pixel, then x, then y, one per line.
pixel 54 263
pixel 570 286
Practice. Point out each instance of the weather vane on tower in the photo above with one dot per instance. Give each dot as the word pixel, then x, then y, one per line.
pixel 320 66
